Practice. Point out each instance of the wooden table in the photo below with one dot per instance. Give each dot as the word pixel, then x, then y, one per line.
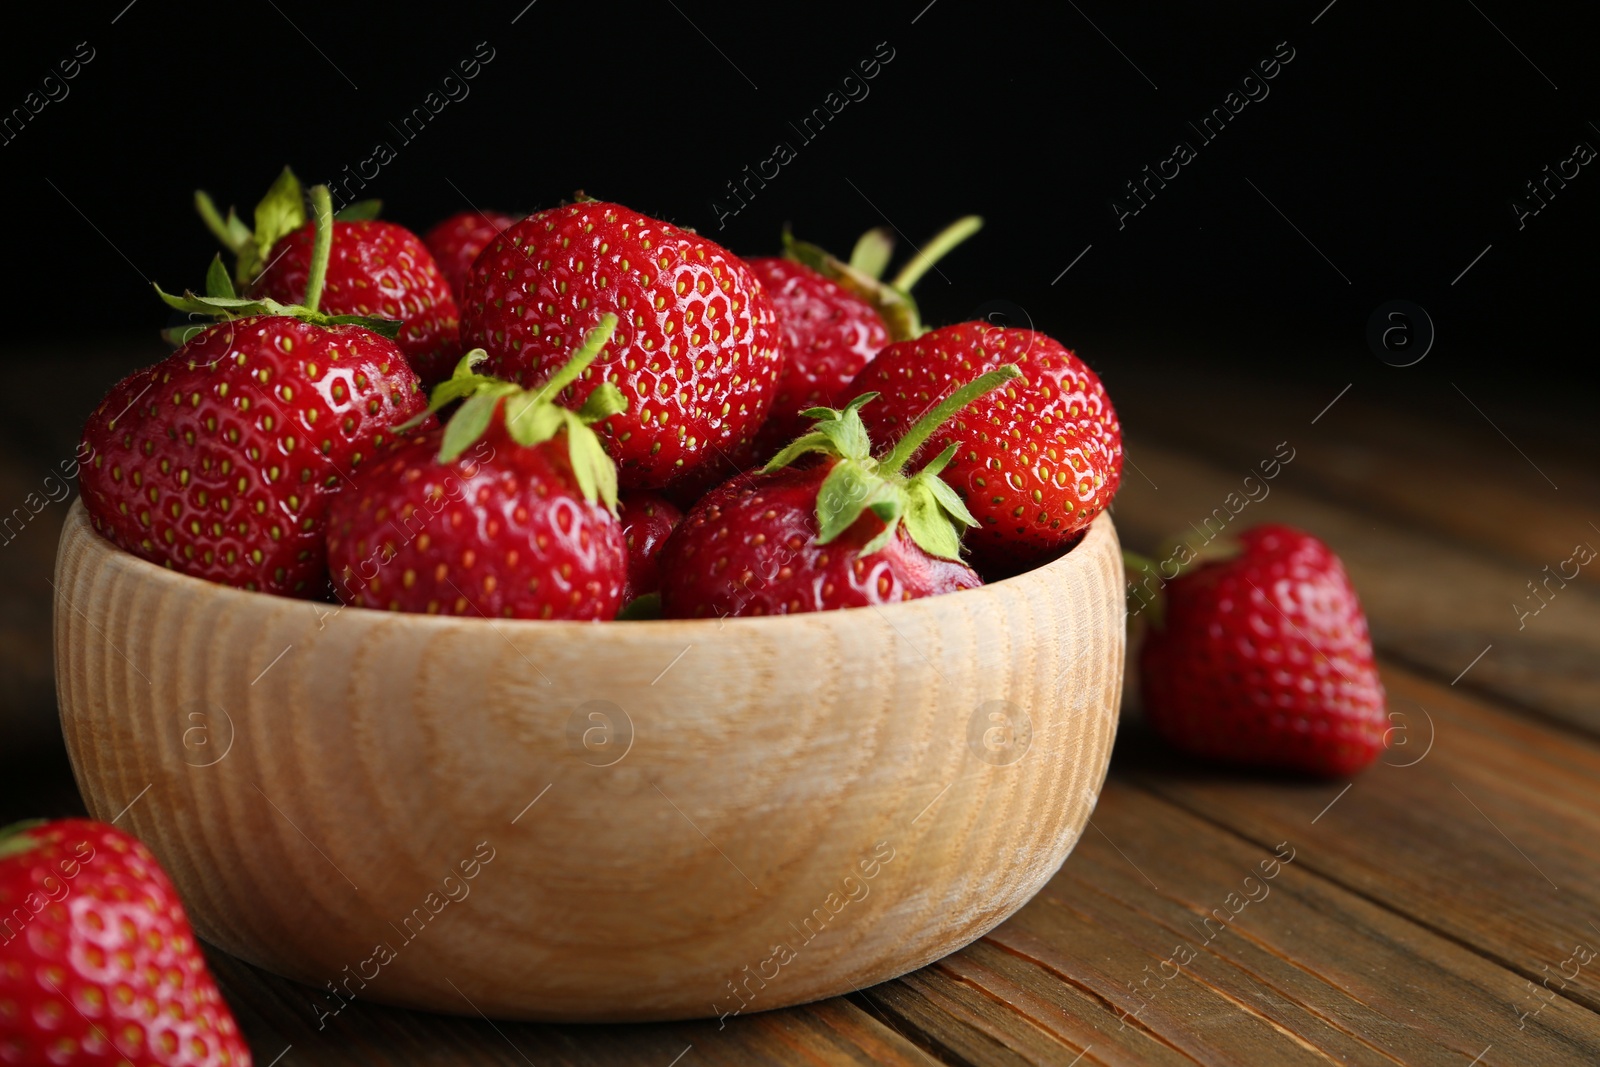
pixel 1442 907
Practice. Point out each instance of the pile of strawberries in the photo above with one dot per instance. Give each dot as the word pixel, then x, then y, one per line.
pixel 634 418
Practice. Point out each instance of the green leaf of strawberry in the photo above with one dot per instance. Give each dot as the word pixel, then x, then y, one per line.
pixel 280 212
pixel 532 416
pixel 359 211
pixel 222 302
pixel 930 509
pixel 873 251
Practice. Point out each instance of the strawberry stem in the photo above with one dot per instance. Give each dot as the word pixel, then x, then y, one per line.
pixel 321 244
pixel 935 250
pixel 1143 578
pixel 924 427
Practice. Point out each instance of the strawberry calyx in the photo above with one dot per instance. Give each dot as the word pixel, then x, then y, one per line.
pixel 532 416
pixel 15 839
pixel 858 481
pixel 281 212
pixel 863 274
pixel 222 301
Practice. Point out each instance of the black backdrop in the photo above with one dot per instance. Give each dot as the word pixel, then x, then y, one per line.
pixel 1380 162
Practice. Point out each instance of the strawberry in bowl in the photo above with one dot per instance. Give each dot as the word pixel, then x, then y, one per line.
pixel 846 529
pixel 509 511
pixel 696 350
pixel 374 268
pixel 219 461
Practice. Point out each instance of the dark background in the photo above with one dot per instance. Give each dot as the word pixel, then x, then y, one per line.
pixel 1395 141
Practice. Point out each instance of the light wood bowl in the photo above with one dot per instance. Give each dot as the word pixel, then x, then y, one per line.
pixel 770 811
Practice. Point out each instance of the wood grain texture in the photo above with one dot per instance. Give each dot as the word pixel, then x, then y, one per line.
pixel 834 784
pixel 272 1014
pixel 1490 839
pixel 1311 972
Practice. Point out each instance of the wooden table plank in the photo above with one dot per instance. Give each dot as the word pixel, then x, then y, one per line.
pixel 1490 840
pixel 276 1015
pixel 1438 466
pixel 1310 972
pixel 1435 603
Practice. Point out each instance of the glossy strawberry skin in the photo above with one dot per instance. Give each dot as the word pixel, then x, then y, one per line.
pixel 375 268
pixel 219 460
pixel 749 548
pixel 457 241
pixel 697 355
pixel 1265 660
pixel 647 521
pixel 99 964
pixel 828 334
pixel 502 531
pixel 1039 459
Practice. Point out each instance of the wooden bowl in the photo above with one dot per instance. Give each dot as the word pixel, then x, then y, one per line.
pixel 566 821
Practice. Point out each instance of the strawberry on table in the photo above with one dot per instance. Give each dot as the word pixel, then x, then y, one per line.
pixel 457 241
pixel 507 512
pixel 1262 657
pixel 376 269
pixel 697 351
pixel 98 964
pixel 846 529
pixel 1039 459
pixel 648 519
pixel 219 460
pixel 836 316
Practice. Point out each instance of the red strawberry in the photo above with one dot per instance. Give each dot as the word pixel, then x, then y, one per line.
pixel 375 269
pixel 219 460
pixel 1264 659
pixel 1038 459
pixel 520 526
pixel 100 965
pixel 847 531
pixel 829 334
pixel 836 316
pixel 697 355
pixel 647 521
pixel 456 242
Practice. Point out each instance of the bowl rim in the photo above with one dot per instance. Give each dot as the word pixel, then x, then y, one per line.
pixel 1088 544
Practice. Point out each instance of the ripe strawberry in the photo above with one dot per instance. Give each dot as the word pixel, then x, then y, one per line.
pixel 522 526
pixel 1039 459
pixel 835 317
pixel 100 965
pixel 1264 659
pixel 829 334
pixel 456 242
pixel 647 521
pixel 846 531
pixel 375 269
pixel 219 460
pixel 697 355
